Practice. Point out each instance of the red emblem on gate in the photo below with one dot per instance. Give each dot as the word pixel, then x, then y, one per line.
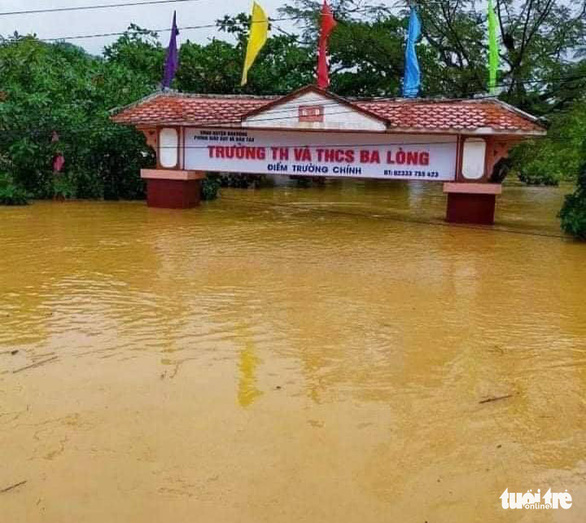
pixel 311 113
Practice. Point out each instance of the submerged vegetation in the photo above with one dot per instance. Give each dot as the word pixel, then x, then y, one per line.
pixel 210 188
pixel 55 99
pixel 557 157
pixel 58 89
pixel 573 213
pixel 10 193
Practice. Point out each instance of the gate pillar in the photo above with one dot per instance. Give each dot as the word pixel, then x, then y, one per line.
pixel 472 198
pixel 173 189
pixel 472 203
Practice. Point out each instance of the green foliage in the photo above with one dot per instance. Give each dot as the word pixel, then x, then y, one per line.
pixel 573 213
pixel 542 48
pixel 309 181
pixel 10 193
pixel 214 68
pixel 547 161
pixel 368 57
pixel 242 180
pixel 286 66
pixel 48 88
pixel 58 87
pixel 63 187
pixel 139 53
pixel 282 66
pixel 210 187
pixel 537 174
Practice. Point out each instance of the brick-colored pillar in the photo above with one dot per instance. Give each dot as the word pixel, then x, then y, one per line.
pixel 472 203
pixel 173 189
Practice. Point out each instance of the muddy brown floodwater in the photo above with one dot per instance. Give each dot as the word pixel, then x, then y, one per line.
pixel 290 355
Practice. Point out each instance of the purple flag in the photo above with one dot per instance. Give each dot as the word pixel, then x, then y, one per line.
pixel 172 61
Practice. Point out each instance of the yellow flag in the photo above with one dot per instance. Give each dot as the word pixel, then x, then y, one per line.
pixel 259 30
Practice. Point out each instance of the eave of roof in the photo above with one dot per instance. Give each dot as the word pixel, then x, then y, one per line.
pixel 438 116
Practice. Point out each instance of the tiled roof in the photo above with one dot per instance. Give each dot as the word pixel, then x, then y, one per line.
pixel 468 115
pixel 480 115
pixel 174 108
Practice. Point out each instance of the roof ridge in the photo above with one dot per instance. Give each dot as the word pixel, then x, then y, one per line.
pixel 422 100
pixel 146 98
pixel 176 94
pixel 351 99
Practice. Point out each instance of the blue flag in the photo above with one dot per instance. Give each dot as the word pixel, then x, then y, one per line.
pixel 412 80
pixel 172 61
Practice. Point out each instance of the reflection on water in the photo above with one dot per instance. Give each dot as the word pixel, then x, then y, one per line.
pixel 247 389
pixel 283 355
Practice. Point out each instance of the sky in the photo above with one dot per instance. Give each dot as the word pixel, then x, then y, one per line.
pixel 55 25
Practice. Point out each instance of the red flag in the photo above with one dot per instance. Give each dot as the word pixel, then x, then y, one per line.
pixel 327 26
pixel 58 158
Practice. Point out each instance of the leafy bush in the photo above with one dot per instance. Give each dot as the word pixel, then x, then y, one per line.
pixel 557 157
pixel 573 213
pixel 47 88
pixel 63 187
pixel 536 163
pixel 308 181
pixel 210 187
pixel 538 177
pixel 242 180
pixel 10 193
pixel 56 99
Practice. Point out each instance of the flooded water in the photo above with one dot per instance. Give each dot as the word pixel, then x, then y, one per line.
pixel 333 354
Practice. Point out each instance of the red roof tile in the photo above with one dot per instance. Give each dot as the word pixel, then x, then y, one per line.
pixel 399 115
pixel 177 109
pixel 465 115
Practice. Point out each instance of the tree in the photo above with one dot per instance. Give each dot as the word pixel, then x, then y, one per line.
pixel 542 52
pixel 51 90
pixel 543 62
pixel 573 213
pixel 282 66
pixel 59 87
pixel 540 43
pixel 558 156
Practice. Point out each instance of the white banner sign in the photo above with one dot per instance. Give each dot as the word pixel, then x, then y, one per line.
pixel 347 155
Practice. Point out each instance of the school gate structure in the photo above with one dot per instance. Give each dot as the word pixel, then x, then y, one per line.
pixel 312 132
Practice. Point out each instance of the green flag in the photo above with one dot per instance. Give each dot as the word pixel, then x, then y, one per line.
pixel 493 49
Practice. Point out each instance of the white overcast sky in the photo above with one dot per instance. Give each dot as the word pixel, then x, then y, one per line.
pixel 55 25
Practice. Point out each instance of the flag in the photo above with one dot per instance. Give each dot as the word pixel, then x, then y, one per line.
pixel 172 61
pixel 412 79
pixel 58 162
pixel 493 49
pixel 327 26
pixel 58 158
pixel 259 30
